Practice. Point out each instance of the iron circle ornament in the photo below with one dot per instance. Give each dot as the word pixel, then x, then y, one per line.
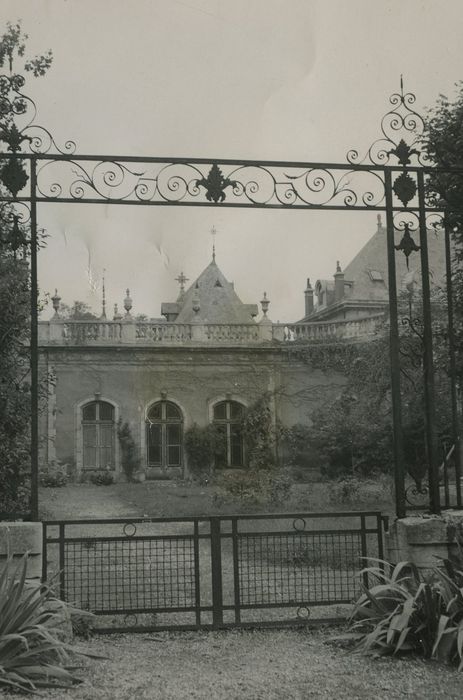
pixel 299 524
pixel 417 494
pixel 129 529
pixel 130 620
pixel 303 612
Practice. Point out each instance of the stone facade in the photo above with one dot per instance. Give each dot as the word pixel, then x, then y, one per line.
pixel 194 378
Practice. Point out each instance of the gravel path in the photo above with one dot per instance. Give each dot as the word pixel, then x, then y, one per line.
pixel 270 665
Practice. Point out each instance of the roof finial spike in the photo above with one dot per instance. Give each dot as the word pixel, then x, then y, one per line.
pixel 103 304
pixel 213 234
pixel 401 85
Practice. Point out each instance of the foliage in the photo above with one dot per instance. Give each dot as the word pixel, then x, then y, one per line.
pixel 202 444
pixel 404 612
pixel 33 654
pixel 352 490
pixel 53 476
pixel 259 432
pixel 105 478
pixel 297 450
pixel 444 145
pixel 255 487
pixel 129 453
pixel 353 433
pixel 79 311
pixel 14 380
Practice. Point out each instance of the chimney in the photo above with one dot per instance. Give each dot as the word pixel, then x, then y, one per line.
pixel 338 283
pixel 308 294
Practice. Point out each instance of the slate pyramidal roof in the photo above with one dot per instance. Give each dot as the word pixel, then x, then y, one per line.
pixel 216 298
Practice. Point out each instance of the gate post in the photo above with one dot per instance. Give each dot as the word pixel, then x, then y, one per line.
pixel 428 364
pixel 399 466
pixel 216 571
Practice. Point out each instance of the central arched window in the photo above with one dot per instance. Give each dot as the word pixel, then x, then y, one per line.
pixel 98 435
pixel 228 420
pixel 164 435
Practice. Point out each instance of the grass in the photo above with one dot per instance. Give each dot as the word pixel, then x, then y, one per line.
pixel 177 499
pixel 262 665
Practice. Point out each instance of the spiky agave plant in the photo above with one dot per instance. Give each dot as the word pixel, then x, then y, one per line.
pixel 33 653
pixel 405 612
pixel 400 613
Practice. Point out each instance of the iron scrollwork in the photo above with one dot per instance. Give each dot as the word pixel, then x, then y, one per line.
pixel 402 129
pixel 183 182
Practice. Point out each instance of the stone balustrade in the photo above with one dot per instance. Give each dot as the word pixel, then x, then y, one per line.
pixel 131 332
pixel 316 331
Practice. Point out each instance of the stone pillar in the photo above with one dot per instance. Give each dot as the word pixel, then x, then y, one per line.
pixel 17 538
pixel 265 329
pixel 128 331
pixel 423 539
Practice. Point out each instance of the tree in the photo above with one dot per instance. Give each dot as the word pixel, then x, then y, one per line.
pixel 79 311
pixel 443 141
pixel 353 433
pixel 15 400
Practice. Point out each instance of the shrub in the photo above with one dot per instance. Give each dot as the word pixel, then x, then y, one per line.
pixel 102 478
pixel 406 612
pixel 201 445
pixel 259 433
pixel 32 652
pixel 255 487
pixel 352 490
pixel 53 476
pixel 129 453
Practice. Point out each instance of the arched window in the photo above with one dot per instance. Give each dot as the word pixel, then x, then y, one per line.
pixel 228 419
pixel 98 435
pixel 164 435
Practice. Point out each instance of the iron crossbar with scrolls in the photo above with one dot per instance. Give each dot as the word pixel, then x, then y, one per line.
pixel 212 572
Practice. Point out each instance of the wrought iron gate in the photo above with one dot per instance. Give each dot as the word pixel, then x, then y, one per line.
pixel 212 572
pixel 391 177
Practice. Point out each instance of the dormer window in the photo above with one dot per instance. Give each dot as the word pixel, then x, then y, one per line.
pixel 376 276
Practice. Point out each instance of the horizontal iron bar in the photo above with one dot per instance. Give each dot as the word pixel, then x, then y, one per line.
pixel 231 161
pixel 297 604
pixel 295 533
pixel 127 538
pixel 222 518
pixel 263 624
pixel 147 611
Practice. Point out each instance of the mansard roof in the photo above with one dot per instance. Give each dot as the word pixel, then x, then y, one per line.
pixel 368 272
pixel 366 276
pixel 217 300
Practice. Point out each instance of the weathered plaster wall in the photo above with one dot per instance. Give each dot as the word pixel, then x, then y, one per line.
pixel 194 378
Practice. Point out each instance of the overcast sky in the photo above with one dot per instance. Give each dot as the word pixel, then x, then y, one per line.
pixel 251 79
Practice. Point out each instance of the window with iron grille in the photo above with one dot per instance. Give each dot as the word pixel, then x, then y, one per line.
pixel 228 420
pixel 98 435
pixel 164 435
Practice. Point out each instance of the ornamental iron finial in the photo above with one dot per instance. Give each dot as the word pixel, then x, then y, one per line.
pixel 407 245
pixel 402 129
pixel 213 234
pixel 215 184
pixel 181 279
pixel 103 300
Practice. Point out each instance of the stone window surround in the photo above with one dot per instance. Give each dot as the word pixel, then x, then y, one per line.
pixel 79 447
